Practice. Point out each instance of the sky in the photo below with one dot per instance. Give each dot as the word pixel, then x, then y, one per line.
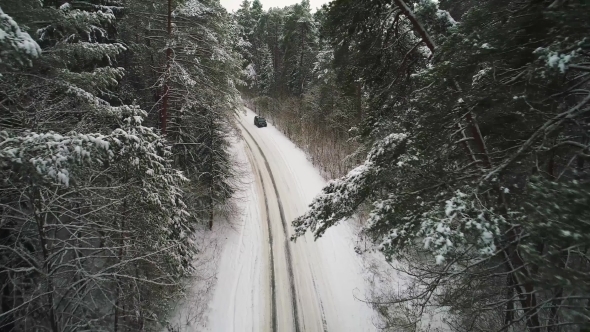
pixel 232 5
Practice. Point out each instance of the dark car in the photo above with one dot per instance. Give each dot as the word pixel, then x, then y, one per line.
pixel 259 121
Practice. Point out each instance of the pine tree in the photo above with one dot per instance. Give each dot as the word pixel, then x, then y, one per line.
pixel 266 77
pixel 273 27
pixel 201 118
pixel 467 134
pixel 306 95
pixel 92 210
pixel 300 46
pixel 17 45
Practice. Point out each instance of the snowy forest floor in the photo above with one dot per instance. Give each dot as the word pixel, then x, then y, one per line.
pixel 236 288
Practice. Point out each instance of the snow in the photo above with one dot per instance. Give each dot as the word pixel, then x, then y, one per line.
pixel 556 59
pixel 218 274
pixel 234 289
pixel 239 302
pixel 64 177
pixel 250 71
pixel 331 260
pixel 12 37
pixel 480 74
pixel 446 16
pixel 193 8
pixel 329 279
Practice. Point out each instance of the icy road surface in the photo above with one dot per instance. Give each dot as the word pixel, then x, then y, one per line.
pixel 268 283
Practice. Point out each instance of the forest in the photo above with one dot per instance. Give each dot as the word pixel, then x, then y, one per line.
pixel 115 117
pixel 454 133
pixel 458 130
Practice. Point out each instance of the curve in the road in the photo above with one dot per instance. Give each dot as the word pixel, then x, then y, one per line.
pixel 284 223
pixel 273 286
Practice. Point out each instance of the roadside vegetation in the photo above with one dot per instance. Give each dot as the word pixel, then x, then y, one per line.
pixel 114 120
pixel 456 132
pixel 471 118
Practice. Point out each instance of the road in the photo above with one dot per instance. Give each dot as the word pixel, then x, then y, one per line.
pixel 268 283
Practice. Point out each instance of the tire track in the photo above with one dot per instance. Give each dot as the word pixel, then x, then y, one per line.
pixel 315 288
pixel 284 223
pixel 311 270
pixel 274 325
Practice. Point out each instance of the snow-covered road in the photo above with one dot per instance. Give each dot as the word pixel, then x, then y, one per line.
pixel 268 283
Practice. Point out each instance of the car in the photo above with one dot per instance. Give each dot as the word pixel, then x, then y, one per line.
pixel 259 121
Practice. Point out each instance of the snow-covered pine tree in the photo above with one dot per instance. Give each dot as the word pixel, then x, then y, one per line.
pixel 331 112
pixel 273 25
pixel 300 45
pixel 94 232
pixel 17 45
pixel 266 77
pixel 203 76
pixel 474 130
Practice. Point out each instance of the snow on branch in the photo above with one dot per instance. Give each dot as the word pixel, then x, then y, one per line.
pixel 54 157
pixel 340 198
pixel 50 154
pixel 16 44
pixel 88 51
pixel 562 57
pixel 417 25
pixel 78 24
pixel 93 81
pixel 193 8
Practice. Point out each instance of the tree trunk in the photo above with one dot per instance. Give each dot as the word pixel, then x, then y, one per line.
pixel 164 112
pixel 121 254
pixel 36 199
pixel 514 261
pixel 359 100
pixel 211 173
pixel 509 317
pixel 301 60
pixel 417 25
